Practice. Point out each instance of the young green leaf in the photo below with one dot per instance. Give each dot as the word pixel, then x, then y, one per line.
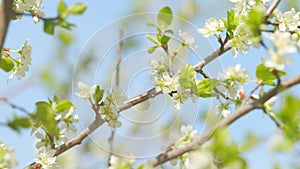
pixel 77 9
pixel 165 39
pixel 152 49
pixel 63 106
pixel 65 24
pixel 6 64
pixel 266 75
pixel 187 78
pixel 45 114
pixel 65 37
pixel 98 94
pixel 205 87
pixel 289 116
pixel 152 39
pixel 49 26
pixel 165 17
pixel 231 23
pixel 151 24
pixel 61 8
pixel 253 22
pixel 19 122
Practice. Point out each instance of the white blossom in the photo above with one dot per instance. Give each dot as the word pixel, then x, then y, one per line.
pixel 187 39
pixel 7 157
pixel 282 42
pixel 225 113
pixel 268 105
pixel 23 62
pixel 118 96
pixel 288 21
pixel 213 27
pixel 235 73
pixel 283 45
pixel 86 92
pixel 240 6
pixel 32 6
pixel 47 159
pixel 188 130
pixel 165 83
pixel 119 162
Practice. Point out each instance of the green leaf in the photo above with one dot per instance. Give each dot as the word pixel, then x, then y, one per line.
pixel 63 106
pixel 165 17
pixel 151 24
pixel 187 78
pixel 231 23
pixel 165 39
pixel 98 94
pixel 253 22
pixel 152 49
pixel 77 9
pixel 289 116
pixel 65 24
pixel 61 8
pixel 49 26
pixel 6 64
pixel 19 122
pixel 45 114
pixel 152 39
pixel 65 37
pixel 266 75
pixel 205 87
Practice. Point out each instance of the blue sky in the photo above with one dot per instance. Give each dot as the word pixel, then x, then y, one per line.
pixel 98 15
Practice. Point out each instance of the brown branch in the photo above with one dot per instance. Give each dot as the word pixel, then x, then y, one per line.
pixel 6 14
pixel 241 111
pixel 270 10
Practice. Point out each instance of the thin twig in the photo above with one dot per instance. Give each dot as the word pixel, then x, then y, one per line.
pixel 271 116
pixel 14 106
pixel 240 111
pixel 32 15
pixel 119 56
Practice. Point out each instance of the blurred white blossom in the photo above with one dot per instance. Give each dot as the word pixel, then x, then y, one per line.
pixel 23 62
pixel 283 45
pixel 187 39
pixel 86 92
pixel 288 21
pixel 213 27
pixel 47 159
pixel 120 162
pixel 32 6
pixel 7 157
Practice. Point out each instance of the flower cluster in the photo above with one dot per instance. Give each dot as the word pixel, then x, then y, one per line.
pixel 32 6
pixel 65 128
pixel 187 39
pixel 23 62
pixel 47 159
pixel 283 45
pixel 7 157
pixel 119 162
pixel 213 27
pixel 108 107
pixel 233 78
pixel 288 21
pixel 166 84
pixel 188 135
pixel 86 92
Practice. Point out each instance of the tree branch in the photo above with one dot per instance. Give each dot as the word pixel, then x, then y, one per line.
pixel 6 14
pixel 270 10
pixel 241 111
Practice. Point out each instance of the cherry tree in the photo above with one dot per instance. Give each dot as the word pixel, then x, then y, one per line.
pixel 251 25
